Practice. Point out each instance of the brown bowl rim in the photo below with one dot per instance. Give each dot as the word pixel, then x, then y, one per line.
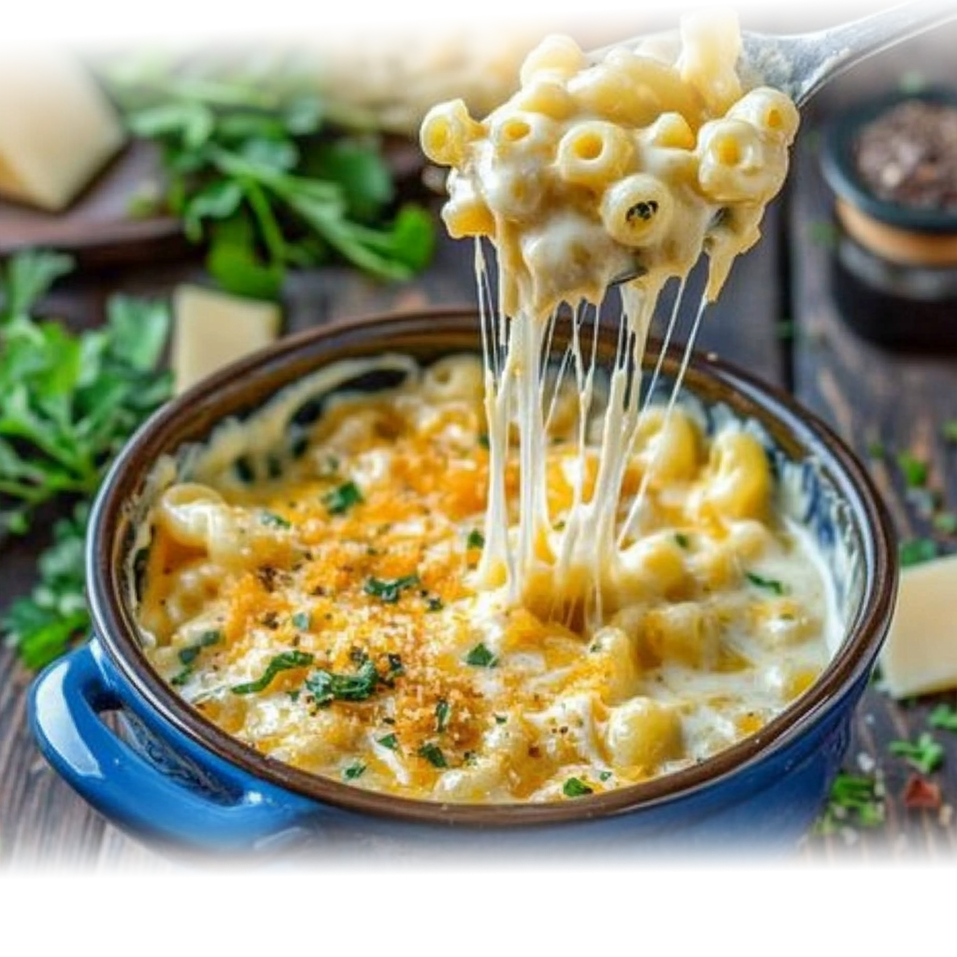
pixel 116 629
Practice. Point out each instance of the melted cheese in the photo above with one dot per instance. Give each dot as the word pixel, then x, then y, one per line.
pixel 354 548
pixel 632 166
pixel 514 580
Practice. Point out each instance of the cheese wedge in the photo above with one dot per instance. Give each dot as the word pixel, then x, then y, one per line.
pixel 57 130
pixel 212 329
pixel 920 654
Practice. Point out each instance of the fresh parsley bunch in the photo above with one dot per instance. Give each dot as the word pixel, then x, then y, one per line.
pixel 255 167
pixel 68 402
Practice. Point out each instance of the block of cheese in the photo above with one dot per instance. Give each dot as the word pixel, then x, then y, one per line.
pixel 920 654
pixel 212 329
pixel 57 129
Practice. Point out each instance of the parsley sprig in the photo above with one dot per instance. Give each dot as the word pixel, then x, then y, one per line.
pixel 70 401
pixel 257 167
pixel 853 799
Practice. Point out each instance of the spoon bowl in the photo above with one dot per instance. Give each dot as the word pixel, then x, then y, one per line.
pixel 799 65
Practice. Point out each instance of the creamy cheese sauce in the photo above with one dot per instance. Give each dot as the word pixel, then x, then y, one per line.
pixel 514 579
pixel 321 596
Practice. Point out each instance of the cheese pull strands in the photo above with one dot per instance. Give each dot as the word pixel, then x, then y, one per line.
pixel 620 172
pixel 545 581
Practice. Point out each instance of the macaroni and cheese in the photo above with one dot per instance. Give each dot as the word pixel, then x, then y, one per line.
pixel 514 578
pixel 316 592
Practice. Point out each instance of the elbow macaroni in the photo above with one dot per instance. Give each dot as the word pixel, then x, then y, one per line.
pixel 410 601
pixel 353 563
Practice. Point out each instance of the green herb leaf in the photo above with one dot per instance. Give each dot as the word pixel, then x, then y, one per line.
pixel 341 499
pixel 917 550
pixel 682 540
pixel 301 620
pixel 191 652
pixel 945 523
pixel 575 787
pixel 943 716
pixel 273 520
pixel 353 771
pixel 390 590
pixel 914 470
pixel 433 754
pixel 389 741
pixel 443 711
pixel 475 540
pixel 328 686
pixel 769 584
pixel 481 657
pixel 284 661
pixel 853 799
pixel 70 401
pixel 925 754
pixel 248 174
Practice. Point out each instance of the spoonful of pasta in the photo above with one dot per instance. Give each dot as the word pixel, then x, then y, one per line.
pixel 800 64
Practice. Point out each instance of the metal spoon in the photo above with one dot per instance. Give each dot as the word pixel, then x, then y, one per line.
pixel 800 64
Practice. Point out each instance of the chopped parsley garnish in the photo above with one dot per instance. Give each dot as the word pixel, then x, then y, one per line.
pixel 501 718
pixel 481 657
pixel 389 741
pixel 327 686
pixel 682 540
pixel 853 799
pixel 285 661
pixel 274 520
pixel 604 775
pixel 925 754
pixel 301 620
pixel 483 440
pixel 191 652
pixel 433 754
pixel 443 711
pixel 341 499
pixel 769 584
pixel 917 550
pixel 945 523
pixel 355 770
pixel 943 716
pixel 575 787
pixel 390 590
pixel 476 539
pixel 434 604
pixel 913 469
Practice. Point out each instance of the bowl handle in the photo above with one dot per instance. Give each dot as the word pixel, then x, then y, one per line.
pixel 198 802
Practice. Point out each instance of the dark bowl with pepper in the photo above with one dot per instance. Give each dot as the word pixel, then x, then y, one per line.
pixel 891 165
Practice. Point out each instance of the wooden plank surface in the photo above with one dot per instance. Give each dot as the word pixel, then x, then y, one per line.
pixel 48 832
pixel 886 401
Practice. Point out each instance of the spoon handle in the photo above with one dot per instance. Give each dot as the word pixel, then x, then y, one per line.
pixel 800 65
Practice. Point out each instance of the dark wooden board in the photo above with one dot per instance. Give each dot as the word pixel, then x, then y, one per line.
pixel 97 228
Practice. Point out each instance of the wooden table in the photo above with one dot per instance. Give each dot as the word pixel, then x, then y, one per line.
pixel 778 318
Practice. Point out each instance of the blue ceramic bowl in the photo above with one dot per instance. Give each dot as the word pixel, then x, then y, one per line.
pixel 165 772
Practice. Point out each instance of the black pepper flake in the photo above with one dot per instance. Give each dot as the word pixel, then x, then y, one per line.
pixel 909 155
pixel 645 210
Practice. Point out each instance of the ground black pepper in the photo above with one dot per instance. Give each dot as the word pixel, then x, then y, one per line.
pixel 909 155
